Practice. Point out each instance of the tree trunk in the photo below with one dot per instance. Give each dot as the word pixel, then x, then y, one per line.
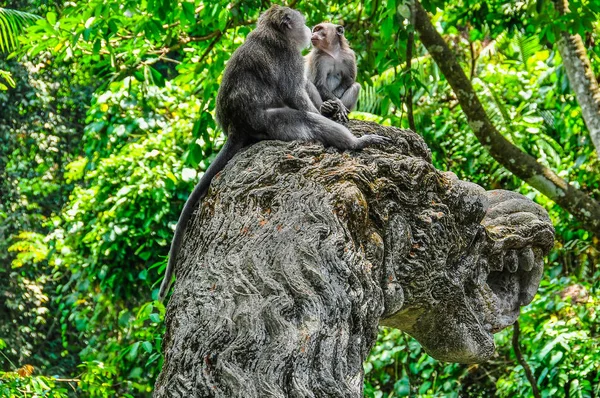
pixel 298 253
pixel 581 77
pixel 524 166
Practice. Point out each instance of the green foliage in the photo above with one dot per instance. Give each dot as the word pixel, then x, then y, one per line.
pixel 7 78
pixel 563 345
pixel 108 122
pixel 39 126
pixel 117 222
pixel 12 385
pixel 12 23
pixel 398 367
pixel 559 340
pixel 22 383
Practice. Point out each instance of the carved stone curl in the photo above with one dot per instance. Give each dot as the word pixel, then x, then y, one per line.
pixel 299 253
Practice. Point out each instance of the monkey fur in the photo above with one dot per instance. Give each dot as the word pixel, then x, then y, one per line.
pixel 331 72
pixel 263 97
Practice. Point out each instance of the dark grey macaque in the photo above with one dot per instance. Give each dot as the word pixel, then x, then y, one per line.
pixel 263 97
pixel 331 72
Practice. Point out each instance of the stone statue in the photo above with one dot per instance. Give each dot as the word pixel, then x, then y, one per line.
pixel 300 252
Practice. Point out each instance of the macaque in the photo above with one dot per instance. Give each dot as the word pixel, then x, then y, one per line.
pixel 331 72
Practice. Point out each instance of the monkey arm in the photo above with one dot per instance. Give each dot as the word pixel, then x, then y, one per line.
pixel 320 84
pixel 348 88
pixel 324 91
pixel 331 105
pixel 304 100
pixel 336 110
pixel 309 105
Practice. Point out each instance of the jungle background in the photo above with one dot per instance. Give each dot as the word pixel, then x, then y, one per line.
pixel 107 121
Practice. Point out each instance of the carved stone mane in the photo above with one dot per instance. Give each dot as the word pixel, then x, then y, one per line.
pixel 298 253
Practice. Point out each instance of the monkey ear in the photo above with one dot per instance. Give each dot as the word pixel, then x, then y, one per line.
pixel 286 21
pixel 340 30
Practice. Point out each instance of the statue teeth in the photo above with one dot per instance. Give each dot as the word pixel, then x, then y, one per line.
pixel 511 261
pixel 527 259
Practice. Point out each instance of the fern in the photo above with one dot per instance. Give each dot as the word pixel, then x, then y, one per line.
pixel 492 49
pixel 528 47
pixel 369 101
pixel 372 98
pixel 6 77
pixel 496 109
pixel 12 23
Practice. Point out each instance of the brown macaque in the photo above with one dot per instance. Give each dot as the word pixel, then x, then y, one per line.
pixel 331 72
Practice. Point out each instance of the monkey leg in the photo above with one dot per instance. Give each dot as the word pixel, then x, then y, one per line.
pixel 289 124
pixel 350 96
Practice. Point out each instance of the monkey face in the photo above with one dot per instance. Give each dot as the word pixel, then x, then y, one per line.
pixel 326 36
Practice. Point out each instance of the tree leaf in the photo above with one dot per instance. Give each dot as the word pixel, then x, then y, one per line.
pixel 133 351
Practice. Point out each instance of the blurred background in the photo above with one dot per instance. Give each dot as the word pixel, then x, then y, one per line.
pixel 107 121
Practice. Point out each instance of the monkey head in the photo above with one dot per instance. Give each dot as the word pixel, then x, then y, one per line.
pixel 289 22
pixel 327 36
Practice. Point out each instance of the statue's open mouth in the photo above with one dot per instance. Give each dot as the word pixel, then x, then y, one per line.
pixel 488 286
pixel 462 329
pixel 507 276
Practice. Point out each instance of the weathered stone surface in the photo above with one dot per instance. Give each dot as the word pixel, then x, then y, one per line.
pixel 298 253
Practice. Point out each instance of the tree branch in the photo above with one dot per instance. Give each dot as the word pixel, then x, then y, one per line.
pixel 581 77
pixel 522 362
pixel 409 90
pixel 473 60
pixel 521 164
pixel 215 34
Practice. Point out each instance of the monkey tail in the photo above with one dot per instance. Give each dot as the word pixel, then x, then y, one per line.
pixel 231 147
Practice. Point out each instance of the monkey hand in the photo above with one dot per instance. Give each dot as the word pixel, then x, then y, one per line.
pixel 329 108
pixel 341 116
pixel 335 110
